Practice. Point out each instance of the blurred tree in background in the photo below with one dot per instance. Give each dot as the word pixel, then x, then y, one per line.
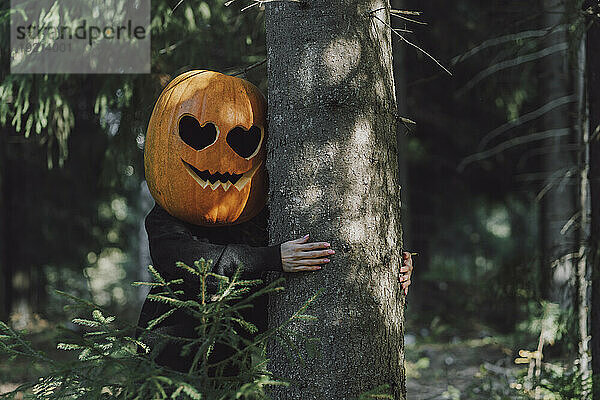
pixel 479 153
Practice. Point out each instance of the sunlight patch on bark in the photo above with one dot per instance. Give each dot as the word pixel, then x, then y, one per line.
pixel 309 197
pixel 380 88
pixel 341 57
pixel 306 73
pixel 354 231
pixel 362 132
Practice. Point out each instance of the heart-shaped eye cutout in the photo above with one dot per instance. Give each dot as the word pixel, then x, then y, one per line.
pixel 196 136
pixel 243 142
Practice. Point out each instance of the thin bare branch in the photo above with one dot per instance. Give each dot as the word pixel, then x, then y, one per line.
pixel 511 63
pixel 547 150
pixel 407 121
pixel 412 44
pixel 408 19
pixel 570 222
pixel 540 176
pixel 172 47
pixel 596 134
pixel 177 5
pixel 425 52
pixel 248 68
pixel 406 12
pixel 555 177
pixel 524 118
pixel 250 6
pixel 512 143
pixel 401 13
pixel 258 2
pixel 394 11
pixel 506 39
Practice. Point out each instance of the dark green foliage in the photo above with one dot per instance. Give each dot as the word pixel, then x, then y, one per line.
pixel 112 363
pixel 567 384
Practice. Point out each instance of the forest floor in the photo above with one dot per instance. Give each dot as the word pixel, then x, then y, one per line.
pixel 461 369
pixel 466 360
pixel 480 368
pixel 468 369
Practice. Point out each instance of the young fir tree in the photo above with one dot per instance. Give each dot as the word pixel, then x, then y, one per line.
pixel 113 363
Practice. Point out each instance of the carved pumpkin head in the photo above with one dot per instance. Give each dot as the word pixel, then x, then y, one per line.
pixel 205 149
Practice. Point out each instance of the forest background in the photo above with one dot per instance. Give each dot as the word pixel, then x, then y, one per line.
pixel 494 163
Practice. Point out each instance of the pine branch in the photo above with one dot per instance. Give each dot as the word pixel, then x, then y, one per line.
pixel 513 37
pixel 511 143
pixel 530 116
pixel 492 69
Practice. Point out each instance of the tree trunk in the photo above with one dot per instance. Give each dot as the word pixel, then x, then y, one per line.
pixel 593 86
pixel 559 202
pixel 5 272
pixel 333 171
pixel 20 274
pixel 582 271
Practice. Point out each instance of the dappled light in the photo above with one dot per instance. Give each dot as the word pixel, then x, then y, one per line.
pixel 341 57
pixel 441 157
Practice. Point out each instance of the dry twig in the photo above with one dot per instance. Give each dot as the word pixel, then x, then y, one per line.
pixel 401 13
pixel 248 68
pixel 177 5
pixel 394 30
pixel 258 3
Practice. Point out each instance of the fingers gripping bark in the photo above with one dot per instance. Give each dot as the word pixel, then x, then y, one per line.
pixel 406 271
pixel 300 255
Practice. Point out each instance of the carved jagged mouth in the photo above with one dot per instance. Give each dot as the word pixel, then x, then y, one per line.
pixel 226 180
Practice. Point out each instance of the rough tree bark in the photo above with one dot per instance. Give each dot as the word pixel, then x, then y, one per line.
pixel 559 202
pixel 593 86
pixel 332 164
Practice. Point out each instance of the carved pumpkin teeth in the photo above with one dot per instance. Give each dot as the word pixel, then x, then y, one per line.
pixel 246 177
pixel 226 180
pixel 226 185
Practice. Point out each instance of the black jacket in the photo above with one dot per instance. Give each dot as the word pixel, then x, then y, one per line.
pixel 173 240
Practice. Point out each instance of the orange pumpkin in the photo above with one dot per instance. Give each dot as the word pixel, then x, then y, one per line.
pixel 204 155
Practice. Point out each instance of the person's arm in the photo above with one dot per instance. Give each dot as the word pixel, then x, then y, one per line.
pixel 171 241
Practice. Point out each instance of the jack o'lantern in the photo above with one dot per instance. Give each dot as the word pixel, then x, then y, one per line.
pixel 205 149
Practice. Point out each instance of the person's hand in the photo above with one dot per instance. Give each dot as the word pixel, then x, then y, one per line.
pixel 299 255
pixel 406 271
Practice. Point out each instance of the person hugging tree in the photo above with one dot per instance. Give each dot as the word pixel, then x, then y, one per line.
pixel 204 161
